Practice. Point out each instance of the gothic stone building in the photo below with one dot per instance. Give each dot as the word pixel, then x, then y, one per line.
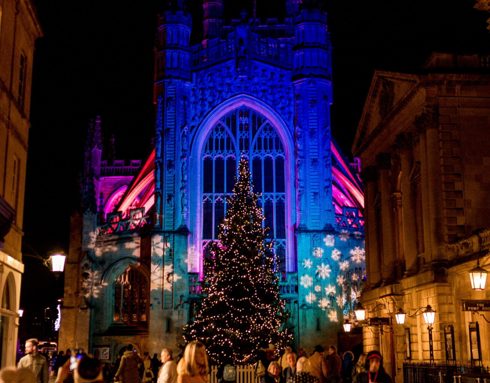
pixel 250 88
pixel 423 142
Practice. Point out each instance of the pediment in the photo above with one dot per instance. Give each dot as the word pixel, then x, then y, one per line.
pixel 388 92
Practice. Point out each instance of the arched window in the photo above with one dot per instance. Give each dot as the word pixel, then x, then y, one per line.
pixel 244 132
pixel 131 296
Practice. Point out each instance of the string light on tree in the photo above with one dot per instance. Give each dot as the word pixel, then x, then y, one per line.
pixel 241 311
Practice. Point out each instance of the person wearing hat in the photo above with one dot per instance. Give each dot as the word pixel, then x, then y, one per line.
pixel 375 372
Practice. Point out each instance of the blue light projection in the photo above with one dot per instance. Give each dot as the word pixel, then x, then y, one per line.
pixel 262 91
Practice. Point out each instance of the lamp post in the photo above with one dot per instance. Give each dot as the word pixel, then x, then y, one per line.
pixel 40 286
pixel 429 318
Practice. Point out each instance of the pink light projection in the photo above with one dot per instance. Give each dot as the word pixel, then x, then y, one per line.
pixel 140 192
pixel 346 188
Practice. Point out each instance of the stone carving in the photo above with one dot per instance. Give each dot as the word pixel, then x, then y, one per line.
pixel 226 82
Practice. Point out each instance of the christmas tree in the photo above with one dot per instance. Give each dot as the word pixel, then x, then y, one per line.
pixel 241 311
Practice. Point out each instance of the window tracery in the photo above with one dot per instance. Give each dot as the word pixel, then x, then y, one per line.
pixel 244 132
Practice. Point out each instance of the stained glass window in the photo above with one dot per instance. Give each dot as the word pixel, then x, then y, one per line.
pixel 243 132
pixel 131 292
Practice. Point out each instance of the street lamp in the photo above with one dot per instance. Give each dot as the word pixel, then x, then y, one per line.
pixel 400 316
pixel 360 312
pixel 478 277
pixel 58 262
pixel 347 326
pixel 429 318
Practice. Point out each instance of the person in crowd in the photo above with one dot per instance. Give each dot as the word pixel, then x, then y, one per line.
pixel 193 367
pixel 303 374
pixel 128 371
pixel 155 366
pixel 318 364
pixel 273 373
pixel 375 371
pixel 86 370
pixel 261 366
pixel 334 365
pixel 301 352
pixel 34 361
pixel 168 372
pixel 147 371
pixel 284 362
pixel 360 366
pixel 289 372
pixel 17 375
pixel 347 366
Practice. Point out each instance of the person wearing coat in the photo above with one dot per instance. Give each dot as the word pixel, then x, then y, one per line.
pixel 128 371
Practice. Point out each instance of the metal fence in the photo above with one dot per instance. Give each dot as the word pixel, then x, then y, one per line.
pixel 444 373
pixel 244 374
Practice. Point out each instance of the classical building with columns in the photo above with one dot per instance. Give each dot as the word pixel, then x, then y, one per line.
pixel 424 144
pixel 254 88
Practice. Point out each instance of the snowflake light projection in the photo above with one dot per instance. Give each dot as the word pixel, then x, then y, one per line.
pixel 330 290
pixel 310 298
pixel 307 263
pixel 91 284
pixel 324 303
pixel 306 281
pixel 336 254
pixel 333 283
pixel 344 265
pixel 358 255
pixel 344 235
pixel 317 252
pixel 323 271
pixel 329 240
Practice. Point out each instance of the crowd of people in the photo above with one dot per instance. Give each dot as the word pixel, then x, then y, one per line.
pixel 319 367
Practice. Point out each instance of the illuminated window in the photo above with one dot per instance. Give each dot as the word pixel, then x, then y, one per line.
pixel 131 293
pixel 243 132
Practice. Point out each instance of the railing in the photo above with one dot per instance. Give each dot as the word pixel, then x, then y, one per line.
pixel 270 50
pixel 288 285
pixel 116 224
pixel 444 373
pixel 244 374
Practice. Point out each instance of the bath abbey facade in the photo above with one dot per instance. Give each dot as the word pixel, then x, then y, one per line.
pixel 253 88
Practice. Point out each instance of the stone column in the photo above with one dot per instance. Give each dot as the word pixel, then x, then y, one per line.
pixel 369 176
pixel 387 222
pixel 431 183
pixel 408 230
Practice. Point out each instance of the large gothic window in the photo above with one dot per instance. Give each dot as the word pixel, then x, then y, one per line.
pixel 243 132
pixel 131 293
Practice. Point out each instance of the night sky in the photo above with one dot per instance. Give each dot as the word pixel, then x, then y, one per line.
pixel 96 58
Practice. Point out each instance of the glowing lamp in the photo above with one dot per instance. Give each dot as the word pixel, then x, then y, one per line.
pixel 429 316
pixel 347 326
pixel 20 312
pixel 400 316
pixel 360 312
pixel 58 262
pixel 478 277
